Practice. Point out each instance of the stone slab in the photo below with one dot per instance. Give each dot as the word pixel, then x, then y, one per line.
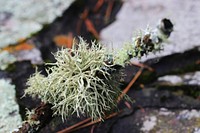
pixel 137 14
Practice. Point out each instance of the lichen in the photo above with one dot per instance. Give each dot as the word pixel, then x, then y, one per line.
pixel 21 19
pixel 29 114
pixel 9 109
pixel 79 82
pixel 86 80
pixel 6 59
pixel 145 42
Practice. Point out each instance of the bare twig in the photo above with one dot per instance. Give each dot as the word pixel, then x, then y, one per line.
pixel 74 126
pixel 90 27
pixel 96 121
pixel 130 84
pixel 98 5
pixel 109 10
pixel 92 129
pixel 143 65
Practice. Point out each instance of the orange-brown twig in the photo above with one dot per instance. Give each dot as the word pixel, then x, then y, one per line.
pixel 91 28
pixel 80 124
pixel 127 105
pixel 96 121
pixel 92 129
pixel 83 16
pixel 98 5
pixel 74 126
pixel 143 65
pixel 88 23
pixel 130 84
pixel 109 10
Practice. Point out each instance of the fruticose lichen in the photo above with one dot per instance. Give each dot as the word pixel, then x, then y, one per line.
pixel 79 82
pixel 149 40
pixel 86 80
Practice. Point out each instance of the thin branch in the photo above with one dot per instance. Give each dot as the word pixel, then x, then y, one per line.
pixel 143 65
pixel 94 122
pixel 74 126
pixel 130 84
pixel 80 124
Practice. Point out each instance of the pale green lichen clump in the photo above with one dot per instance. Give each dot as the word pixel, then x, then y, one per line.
pixel 151 40
pixel 79 82
pixel 84 80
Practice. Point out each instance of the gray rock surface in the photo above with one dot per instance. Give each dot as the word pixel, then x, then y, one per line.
pixel 151 120
pixel 6 59
pixel 164 120
pixel 21 18
pixel 10 118
pixel 186 79
pixel 137 14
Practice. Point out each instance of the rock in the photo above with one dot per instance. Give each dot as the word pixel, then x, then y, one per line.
pixel 179 121
pixel 173 79
pixel 6 59
pixel 149 124
pixel 10 118
pixel 137 14
pixel 192 78
pixel 160 121
pixel 20 19
pixel 34 55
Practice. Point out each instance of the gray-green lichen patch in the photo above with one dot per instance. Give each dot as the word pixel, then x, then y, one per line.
pixel 79 82
pixel 9 109
pixel 145 42
pixel 170 121
pixel 6 59
pixel 19 19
